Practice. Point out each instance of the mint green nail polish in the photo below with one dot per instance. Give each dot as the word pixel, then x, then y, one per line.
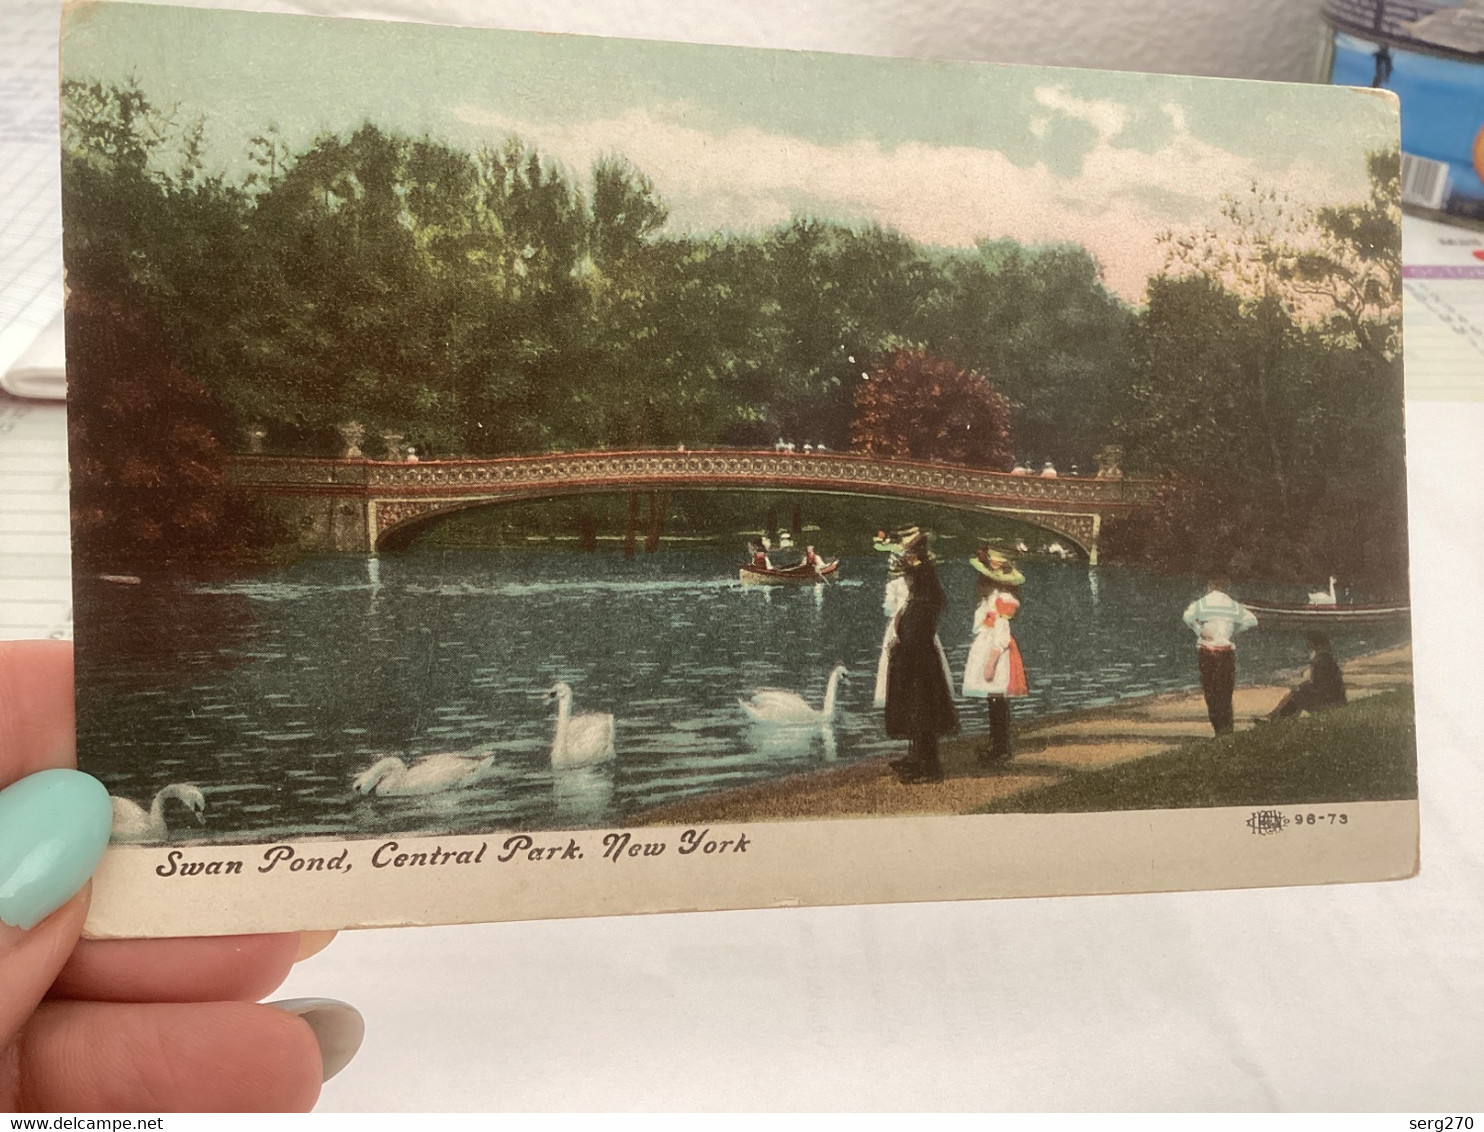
pixel 54 827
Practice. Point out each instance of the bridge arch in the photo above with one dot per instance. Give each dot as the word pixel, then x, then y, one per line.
pixel 396 524
pixel 352 505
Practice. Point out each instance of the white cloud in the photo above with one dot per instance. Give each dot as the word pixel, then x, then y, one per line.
pixel 747 178
pixel 1105 116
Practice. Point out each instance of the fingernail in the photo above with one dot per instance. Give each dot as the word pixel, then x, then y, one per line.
pixel 54 827
pixel 312 943
pixel 338 1028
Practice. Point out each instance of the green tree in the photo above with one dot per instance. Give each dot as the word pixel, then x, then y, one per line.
pixel 1043 320
pixel 626 211
pixel 1267 379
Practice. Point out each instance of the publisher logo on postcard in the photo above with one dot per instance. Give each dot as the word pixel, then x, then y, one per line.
pixel 480 436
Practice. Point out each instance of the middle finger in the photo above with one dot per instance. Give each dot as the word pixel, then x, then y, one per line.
pixel 206 969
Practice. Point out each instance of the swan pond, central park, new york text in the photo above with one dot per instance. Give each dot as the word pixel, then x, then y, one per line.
pixel 619 845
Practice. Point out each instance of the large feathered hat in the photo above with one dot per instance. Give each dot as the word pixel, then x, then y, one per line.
pixel 886 544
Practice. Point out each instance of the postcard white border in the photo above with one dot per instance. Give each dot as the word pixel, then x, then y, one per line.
pixel 465 878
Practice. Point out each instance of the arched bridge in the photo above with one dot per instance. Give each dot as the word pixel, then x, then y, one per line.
pixel 351 505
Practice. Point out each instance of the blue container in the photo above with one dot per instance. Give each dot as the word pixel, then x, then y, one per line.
pixel 1432 56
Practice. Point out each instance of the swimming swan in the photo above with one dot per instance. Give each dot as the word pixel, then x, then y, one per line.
pixel 131 823
pixel 580 740
pixel 1324 597
pixel 390 776
pixel 775 705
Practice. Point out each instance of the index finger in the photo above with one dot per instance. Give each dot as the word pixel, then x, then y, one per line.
pixel 37 725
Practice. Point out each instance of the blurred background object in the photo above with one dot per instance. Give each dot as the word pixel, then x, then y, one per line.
pixel 1432 55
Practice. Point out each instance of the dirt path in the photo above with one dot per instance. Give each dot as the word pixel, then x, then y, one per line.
pixel 1046 751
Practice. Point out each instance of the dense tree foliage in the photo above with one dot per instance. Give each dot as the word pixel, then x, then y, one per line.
pixel 1267 378
pixel 490 302
pixel 128 503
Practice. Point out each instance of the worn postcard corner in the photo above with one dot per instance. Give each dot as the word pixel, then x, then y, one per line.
pixel 524 475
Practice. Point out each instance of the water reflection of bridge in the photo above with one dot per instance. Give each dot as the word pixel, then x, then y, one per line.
pixel 353 505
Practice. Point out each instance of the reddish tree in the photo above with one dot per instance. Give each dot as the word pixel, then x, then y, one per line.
pixel 915 405
pixel 147 484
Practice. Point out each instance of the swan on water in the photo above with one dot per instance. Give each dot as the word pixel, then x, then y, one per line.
pixel 580 740
pixel 391 777
pixel 1324 597
pixel 777 705
pixel 131 823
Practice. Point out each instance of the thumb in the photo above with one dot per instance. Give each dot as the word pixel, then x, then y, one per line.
pixel 54 826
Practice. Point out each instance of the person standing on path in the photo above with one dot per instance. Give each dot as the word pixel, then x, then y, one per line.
pixel 994 669
pixel 919 699
pixel 893 601
pixel 1216 619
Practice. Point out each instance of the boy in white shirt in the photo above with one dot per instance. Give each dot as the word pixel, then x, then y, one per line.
pixel 1216 619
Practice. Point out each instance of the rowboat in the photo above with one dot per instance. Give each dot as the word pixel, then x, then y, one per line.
pixel 801 575
pixel 1280 615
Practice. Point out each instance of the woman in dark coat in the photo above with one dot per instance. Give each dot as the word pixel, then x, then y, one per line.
pixel 919 702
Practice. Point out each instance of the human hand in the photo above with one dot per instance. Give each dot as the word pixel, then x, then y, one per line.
pixel 117 1025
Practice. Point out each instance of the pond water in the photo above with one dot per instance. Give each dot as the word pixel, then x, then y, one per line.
pixel 271 693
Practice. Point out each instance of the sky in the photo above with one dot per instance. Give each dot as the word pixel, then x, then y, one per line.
pixel 735 139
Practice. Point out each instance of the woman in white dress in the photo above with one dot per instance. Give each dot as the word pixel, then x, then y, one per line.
pixel 994 669
pixel 891 605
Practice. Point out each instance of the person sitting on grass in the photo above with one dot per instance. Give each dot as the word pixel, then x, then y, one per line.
pixel 1322 688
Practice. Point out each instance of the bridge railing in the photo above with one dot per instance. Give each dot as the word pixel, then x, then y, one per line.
pixel 641 469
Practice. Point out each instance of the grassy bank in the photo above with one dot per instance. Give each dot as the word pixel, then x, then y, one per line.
pixel 1364 751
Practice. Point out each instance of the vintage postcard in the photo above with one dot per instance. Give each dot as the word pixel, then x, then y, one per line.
pixel 525 475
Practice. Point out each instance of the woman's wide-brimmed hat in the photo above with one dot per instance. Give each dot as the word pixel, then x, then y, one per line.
pixel 886 544
pixel 996 566
pixel 900 541
pixel 916 543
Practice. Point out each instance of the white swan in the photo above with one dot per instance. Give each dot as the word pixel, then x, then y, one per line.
pixel 580 740
pixel 390 777
pixel 1324 597
pixel 776 705
pixel 131 823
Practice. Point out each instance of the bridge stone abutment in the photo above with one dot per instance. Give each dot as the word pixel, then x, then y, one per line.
pixel 350 505
pixel 323 505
